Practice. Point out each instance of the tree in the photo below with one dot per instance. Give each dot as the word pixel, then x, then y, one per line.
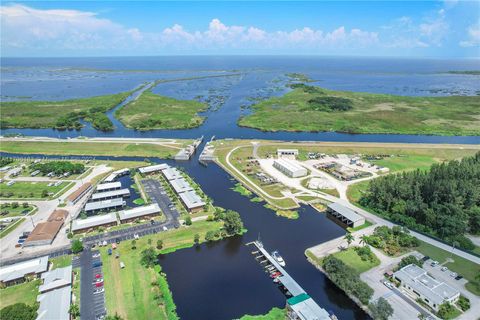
pixel 381 309
pixel 18 311
pixel 196 239
pixel 349 237
pixel 115 317
pixel 14 205
pixel 188 221
pixel 210 236
pixel 25 205
pixel 409 260
pixel 44 193
pixel 233 223
pixel 148 257
pixel 134 244
pixel 77 246
pixel 463 303
pixel 446 311
pixel 74 311
pixel 364 239
pixel 159 244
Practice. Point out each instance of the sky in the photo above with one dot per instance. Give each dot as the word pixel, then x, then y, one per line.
pixel 144 28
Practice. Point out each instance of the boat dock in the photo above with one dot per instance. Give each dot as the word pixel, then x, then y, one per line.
pixel 299 304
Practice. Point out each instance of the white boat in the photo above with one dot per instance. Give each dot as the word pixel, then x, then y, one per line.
pixel 279 258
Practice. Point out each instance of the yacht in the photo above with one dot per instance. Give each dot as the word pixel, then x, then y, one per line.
pixel 279 258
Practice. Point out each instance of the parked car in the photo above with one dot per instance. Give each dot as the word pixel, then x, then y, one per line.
pixel 387 284
pixel 425 258
pixel 96 264
pixel 434 263
pixel 96 255
pixel 109 251
pixel 458 277
pixel 165 228
pixel 444 269
pixel 453 274
pixel 98 280
pixel 98 276
pixel 99 284
pixel 97 291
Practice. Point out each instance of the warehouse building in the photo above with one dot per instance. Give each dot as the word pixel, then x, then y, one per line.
pixel 45 232
pixel 139 212
pixel 104 187
pixel 289 168
pixel 180 185
pixel 55 304
pixel 345 215
pixel 153 169
pixel 89 224
pixel 19 272
pixel 97 206
pixel 192 201
pixel 171 173
pixel 77 195
pixel 417 282
pixel 121 193
pixel 56 278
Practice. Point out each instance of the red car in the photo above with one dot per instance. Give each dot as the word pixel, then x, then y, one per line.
pixel 99 284
pixel 276 274
pixel 98 275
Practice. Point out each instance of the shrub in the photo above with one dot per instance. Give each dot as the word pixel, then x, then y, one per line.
pixel 77 246
pixel 18 311
pixel 463 303
pixel 381 309
pixel 447 311
pixel 148 257
pixel 409 260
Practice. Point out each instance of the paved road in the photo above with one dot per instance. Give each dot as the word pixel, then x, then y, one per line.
pixel 86 279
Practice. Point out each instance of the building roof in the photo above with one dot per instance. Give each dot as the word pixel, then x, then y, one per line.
pixel 105 204
pixel 180 185
pixel 287 150
pixel 171 173
pixel 289 165
pixel 112 176
pixel 419 280
pixel 49 229
pixel 157 167
pixel 109 186
pixel 345 211
pixel 110 194
pixel 80 191
pixel 94 221
pixel 54 304
pixel 306 308
pixel 56 278
pixel 191 199
pixel 19 270
pixel 139 211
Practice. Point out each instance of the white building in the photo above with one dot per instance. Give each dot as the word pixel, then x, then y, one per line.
pixel 421 285
pixel 289 168
pixel 287 153
pixel 55 304
pixel 180 185
pixel 16 273
pixel 109 186
pixel 56 278
pixel 192 201
pixel 345 215
pixel 80 225
pixel 153 169
pixel 104 205
pixel 171 173
pixel 138 212
pixel 99 196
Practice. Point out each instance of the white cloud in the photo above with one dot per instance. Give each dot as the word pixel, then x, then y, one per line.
pixel 473 36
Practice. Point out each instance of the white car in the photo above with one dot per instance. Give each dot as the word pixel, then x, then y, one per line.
pixel 98 291
pixel 434 263
pixel 387 284
pixel 165 228
pixel 444 269
pixel 453 274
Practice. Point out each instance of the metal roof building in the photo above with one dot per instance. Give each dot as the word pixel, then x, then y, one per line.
pixel 18 271
pixel 138 212
pixel 56 278
pixel 45 232
pixel 105 204
pixel 75 196
pixel 305 308
pixel 110 194
pixel 171 173
pixel 433 292
pixel 192 200
pixel 55 304
pixel 95 221
pixel 109 186
pixel 155 168
pixel 115 174
pixel 289 168
pixel 180 185
pixel 345 215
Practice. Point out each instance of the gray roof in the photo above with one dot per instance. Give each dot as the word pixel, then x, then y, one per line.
pixel 310 310
pixel 290 165
pixel 19 270
pixel 54 304
pixel 346 212
pixel 114 175
pixel 94 221
pixel 171 173
pixel 157 167
pixel 180 185
pixel 109 186
pixel 110 194
pixel 105 204
pixel 191 199
pixel 139 211
pixel 419 280
pixel 56 278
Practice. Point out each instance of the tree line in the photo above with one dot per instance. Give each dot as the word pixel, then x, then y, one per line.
pixel 443 201
pixel 58 167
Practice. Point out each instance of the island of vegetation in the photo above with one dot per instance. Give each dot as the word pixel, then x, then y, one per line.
pixel 153 111
pixel 61 115
pixel 311 108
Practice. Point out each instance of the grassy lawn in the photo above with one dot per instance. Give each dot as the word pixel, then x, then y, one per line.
pixel 369 113
pixel 352 259
pixel 153 111
pixel 61 261
pixel 406 162
pixel 11 227
pixel 90 148
pixel 45 114
pixel 31 190
pixel 363 226
pixel 460 265
pixel 128 290
pixel 274 314
pixel 9 211
pixel 355 191
pixel 25 292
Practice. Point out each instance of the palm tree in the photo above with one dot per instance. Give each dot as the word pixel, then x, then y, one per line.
pixel 349 237
pixel 364 239
pixel 74 311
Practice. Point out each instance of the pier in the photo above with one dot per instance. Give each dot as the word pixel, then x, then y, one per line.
pixel 299 305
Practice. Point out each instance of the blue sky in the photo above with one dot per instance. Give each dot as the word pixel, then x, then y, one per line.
pixel 374 28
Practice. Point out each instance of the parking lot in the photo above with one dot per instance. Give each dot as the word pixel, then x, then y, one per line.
pixel 92 302
pixel 158 194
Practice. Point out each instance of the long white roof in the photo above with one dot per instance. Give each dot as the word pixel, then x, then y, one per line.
pixel 172 173
pixel 289 165
pixel 345 211
pixel 19 270
pixel 154 168
pixel 94 221
pixel 180 185
pixel 54 304
pixel 110 194
pixel 109 186
pixel 56 278
pixel 139 211
pixel 110 203
pixel 191 199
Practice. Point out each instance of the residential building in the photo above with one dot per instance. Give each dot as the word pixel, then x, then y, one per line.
pixel 289 168
pixel 19 272
pixel 74 197
pixel 109 186
pixel 56 278
pixel 139 212
pixel 55 304
pixel 171 173
pixel 153 169
pixel 88 224
pixel 180 185
pixel 99 196
pixel 115 174
pixel 192 201
pixel 92 207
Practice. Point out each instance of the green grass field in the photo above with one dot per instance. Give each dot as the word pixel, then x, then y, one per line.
pixel 14 212
pixel 370 113
pixel 128 290
pixel 21 293
pixel 31 190
pixel 61 261
pixel 152 111
pixel 44 114
pixel 352 259
pixel 274 314
pixel 406 162
pixel 11 227
pixel 91 148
